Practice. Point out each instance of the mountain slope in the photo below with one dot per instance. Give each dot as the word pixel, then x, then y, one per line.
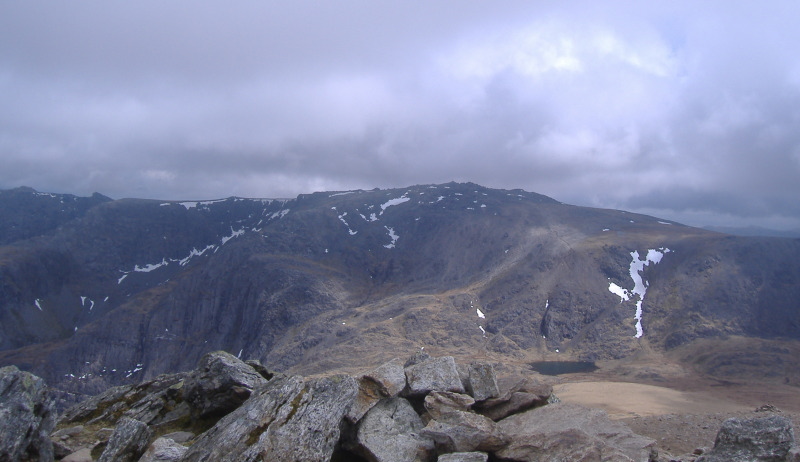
pixel 134 288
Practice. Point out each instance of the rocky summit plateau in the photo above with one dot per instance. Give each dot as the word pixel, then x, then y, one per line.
pixel 424 409
pixel 97 294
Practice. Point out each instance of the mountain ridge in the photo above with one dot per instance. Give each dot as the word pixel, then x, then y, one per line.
pixel 335 280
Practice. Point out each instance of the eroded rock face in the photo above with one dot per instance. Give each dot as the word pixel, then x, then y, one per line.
pixel 390 433
pixel 26 417
pixel 767 439
pixel 570 432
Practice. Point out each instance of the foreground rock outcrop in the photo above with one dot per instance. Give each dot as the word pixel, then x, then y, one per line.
pixel 428 409
pixel 27 417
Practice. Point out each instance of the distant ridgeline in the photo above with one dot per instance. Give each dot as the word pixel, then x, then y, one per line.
pixel 98 292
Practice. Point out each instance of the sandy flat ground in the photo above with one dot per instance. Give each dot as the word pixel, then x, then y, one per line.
pixel 621 399
pixel 680 421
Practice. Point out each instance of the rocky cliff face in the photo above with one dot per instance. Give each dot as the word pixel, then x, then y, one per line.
pixel 122 291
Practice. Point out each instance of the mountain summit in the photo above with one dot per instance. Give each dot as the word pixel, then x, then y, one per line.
pixel 117 291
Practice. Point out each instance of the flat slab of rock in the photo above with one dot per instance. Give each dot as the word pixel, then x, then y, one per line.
pixel 766 439
pixel 438 374
pixel 570 432
pixel 390 433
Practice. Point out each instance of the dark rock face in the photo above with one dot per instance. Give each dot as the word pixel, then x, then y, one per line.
pixel 26 417
pixel 767 439
pixel 106 293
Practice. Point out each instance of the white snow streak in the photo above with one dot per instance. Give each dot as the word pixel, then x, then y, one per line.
pixel 341 218
pixel 480 313
pixel 233 234
pixel 196 253
pixel 392 202
pixel 150 266
pixel 279 214
pixel 639 284
pixel 38 304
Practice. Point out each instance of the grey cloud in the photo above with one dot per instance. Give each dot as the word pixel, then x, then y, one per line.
pixel 681 109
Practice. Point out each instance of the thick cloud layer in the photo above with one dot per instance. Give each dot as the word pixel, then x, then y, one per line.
pixel 682 110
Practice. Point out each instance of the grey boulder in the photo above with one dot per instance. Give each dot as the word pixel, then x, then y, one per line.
pixel 433 374
pixel 287 420
pixel 128 442
pixel 481 381
pixel 220 384
pixel 390 433
pixel 767 439
pixel 385 381
pixel 163 449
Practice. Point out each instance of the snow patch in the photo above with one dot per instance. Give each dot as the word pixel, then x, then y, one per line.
pixel 480 313
pixel 393 236
pixel 623 294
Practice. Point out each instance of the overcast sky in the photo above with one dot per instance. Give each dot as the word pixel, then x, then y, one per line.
pixel 684 110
